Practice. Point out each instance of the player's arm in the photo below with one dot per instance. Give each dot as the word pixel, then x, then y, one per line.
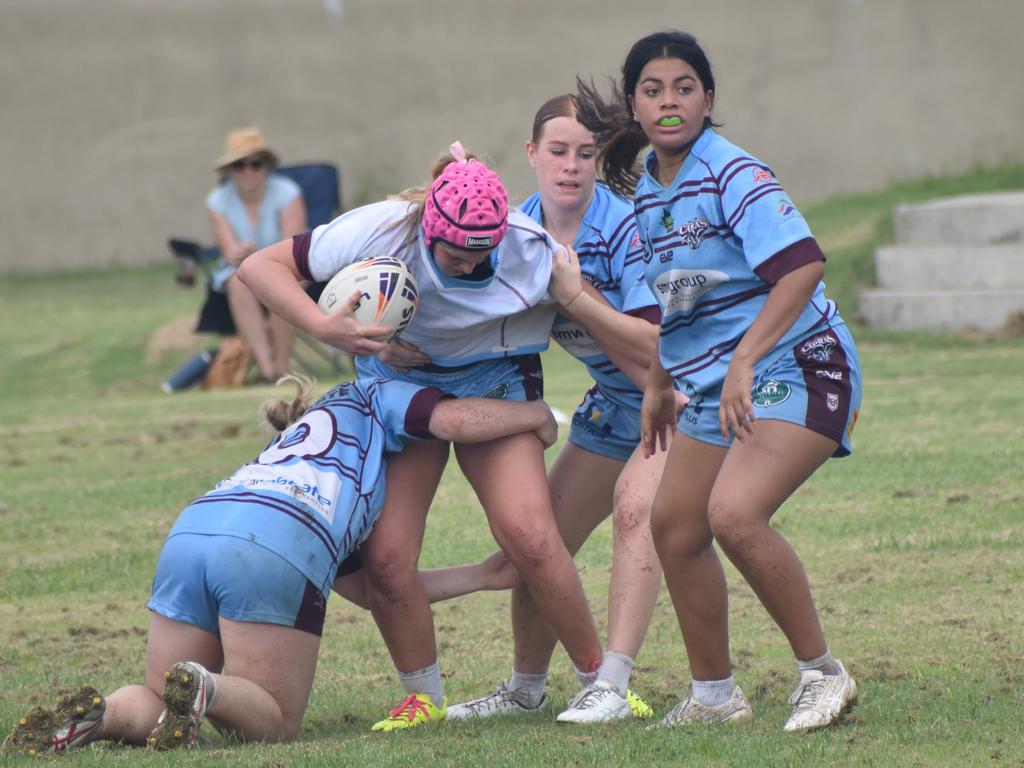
pixel 785 302
pixel 630 342
pixel 273 276
pixel 477 420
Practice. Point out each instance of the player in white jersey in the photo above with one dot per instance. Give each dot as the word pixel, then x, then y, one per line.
pixel 484 314
pixel 747 335
pixel 241 585
pixel 612 329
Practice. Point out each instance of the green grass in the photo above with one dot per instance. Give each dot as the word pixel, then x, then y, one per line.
pixel 914 545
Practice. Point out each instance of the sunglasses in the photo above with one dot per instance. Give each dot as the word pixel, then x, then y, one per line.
pixel 256 163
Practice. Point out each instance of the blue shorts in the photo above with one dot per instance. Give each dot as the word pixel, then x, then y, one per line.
pixel 605 427
pixel 815 384
pixel 200 578
pixel 505 378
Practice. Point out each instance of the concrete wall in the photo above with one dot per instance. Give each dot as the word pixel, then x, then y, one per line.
pixel 113 110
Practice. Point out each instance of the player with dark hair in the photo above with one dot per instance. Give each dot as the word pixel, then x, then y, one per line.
pixel 748 335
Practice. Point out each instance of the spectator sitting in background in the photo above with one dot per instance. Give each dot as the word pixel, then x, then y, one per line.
pixel 250 209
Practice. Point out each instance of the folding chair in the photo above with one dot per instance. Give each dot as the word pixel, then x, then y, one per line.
pixel 321 190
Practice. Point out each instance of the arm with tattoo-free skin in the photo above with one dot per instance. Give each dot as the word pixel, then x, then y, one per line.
pixel 630 342
pixel 272 276
pixel 785 302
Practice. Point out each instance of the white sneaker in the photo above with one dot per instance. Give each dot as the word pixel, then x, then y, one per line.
pixel 690 711
pixel 597 703
pixel 504 701
pixel 821 700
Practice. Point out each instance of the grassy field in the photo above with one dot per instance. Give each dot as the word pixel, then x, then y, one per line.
pixel 914 545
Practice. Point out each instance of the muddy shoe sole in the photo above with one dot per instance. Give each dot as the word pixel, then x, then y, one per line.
pixel 70 724
pixel 33 733
pixel 178 725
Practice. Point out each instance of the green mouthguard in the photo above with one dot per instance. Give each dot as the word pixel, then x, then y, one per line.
pixel 670 121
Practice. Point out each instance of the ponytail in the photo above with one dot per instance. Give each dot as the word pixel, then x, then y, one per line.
pixel 619 137
pixel 280 413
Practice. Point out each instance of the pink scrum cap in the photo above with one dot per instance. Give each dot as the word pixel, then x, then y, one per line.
pixel 467 206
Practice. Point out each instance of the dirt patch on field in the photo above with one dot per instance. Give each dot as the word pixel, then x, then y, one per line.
pixel 178 334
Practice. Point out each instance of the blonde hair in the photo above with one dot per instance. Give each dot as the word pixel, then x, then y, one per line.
pixel 280 413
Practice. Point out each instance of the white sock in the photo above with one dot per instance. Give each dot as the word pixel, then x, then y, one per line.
pixel 824 664
pixel 615 670
pixel 531 684
pixel 426 680
pixel 712 693
pixel 585 678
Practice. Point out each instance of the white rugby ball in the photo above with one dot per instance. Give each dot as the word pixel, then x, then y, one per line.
pixel 389 293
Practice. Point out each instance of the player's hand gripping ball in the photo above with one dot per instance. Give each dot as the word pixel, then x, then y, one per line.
pixel 389 293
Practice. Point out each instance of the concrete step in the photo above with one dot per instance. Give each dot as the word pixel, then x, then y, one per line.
pixel 950 267
pixel 940 311
pixel 996 218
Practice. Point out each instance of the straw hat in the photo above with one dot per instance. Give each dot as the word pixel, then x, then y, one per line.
pixel 243 142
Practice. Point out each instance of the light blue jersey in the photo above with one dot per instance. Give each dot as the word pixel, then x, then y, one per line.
pixel 716 240
pixel 226 200
pixel 318 487
pixel 611 258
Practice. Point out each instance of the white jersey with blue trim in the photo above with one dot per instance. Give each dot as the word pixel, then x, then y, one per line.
pixel 611 259
pixel 316 490
pixel 716 241
pixel 458 321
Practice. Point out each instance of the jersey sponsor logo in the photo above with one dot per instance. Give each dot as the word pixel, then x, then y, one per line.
pixel 679 290
pixel 769 393
pixel 693 408
pixel 575 340
pixel 498 392
pixel 475 241
pixel 819 348
pixel 761 176
pixel 667 221
pixel 693 232
pixel 832 401
pixel 786 212
pixel 666 257
pixel 826 374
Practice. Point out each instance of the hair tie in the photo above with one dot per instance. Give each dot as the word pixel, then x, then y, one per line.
pixel 458 153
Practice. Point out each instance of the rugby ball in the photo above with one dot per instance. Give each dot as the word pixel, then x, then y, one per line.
pixel 388 293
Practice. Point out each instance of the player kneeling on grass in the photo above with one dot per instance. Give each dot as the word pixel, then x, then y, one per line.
pixel 241 586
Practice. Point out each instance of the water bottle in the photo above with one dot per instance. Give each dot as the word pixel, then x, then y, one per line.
pixel 192 372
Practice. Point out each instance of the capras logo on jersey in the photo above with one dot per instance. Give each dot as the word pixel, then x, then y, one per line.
pixel 473 241
pixel 679 290
pixel 819 348
pixel 694 232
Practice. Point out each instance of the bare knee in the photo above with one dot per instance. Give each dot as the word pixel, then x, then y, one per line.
pixel 735 528
pixel 389 569
pixel 531 548
pixel 631 516
pixel 678 533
